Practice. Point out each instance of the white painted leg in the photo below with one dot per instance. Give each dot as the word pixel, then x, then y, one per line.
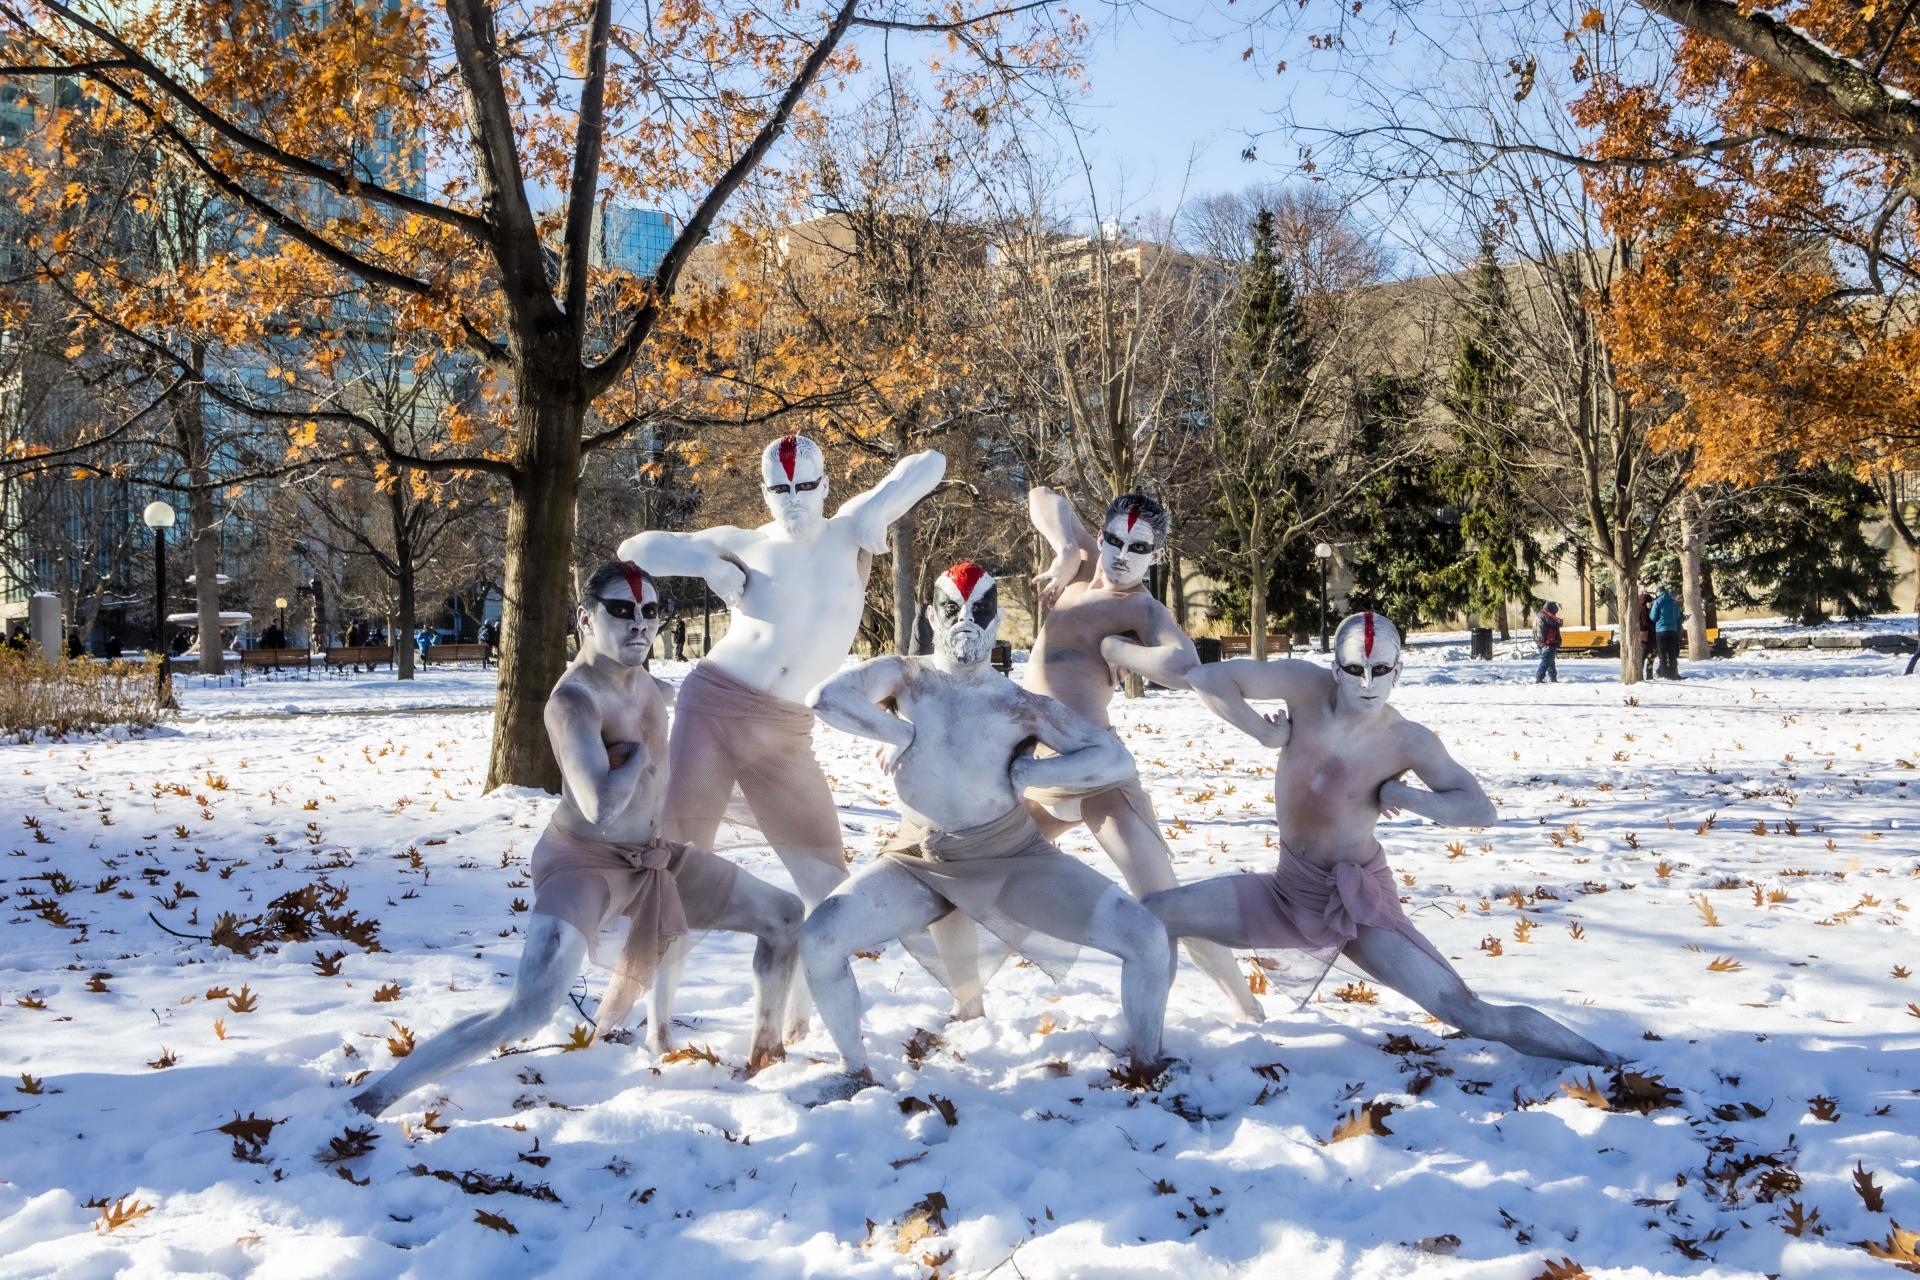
pixel 1146 864
pixel 1396 962
pixel 548 965
pixel 878 905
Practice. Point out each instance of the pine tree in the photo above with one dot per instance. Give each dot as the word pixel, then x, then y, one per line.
pixel 1499 546
pixel 1264 457
pixel 1408 536
pixel 1800 546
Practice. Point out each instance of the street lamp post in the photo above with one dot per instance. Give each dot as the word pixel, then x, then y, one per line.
pixel 280 603
pixel 1324 554
pixel 159 517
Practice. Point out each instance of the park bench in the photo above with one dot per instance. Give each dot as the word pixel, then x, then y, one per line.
pixel 276 659
pixel 1588 642
pixel 356 655
pixel 440 653
pixel 1242 646
pixel 1002 658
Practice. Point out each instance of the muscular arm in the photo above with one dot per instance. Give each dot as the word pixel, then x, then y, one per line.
pixel 874 511
pixel 1227 687
pixel 1089 756
pixel 851 701
pixel 1073 549
pixel 708 554
pixel 1452 796
pixel 1164 655
pixel 600 788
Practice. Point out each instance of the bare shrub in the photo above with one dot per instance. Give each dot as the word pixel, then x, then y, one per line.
pixel 58 699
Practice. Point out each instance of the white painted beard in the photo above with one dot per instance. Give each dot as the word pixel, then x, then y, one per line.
pixel 1121 572
pixel 798 519
pixel 967 645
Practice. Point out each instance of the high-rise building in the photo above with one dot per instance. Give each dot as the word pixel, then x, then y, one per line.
pixel 631 239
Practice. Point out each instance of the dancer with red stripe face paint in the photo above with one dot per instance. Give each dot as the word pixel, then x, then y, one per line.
pixel 602 855
pixel 1101 618
pixel 958 746
pixel 796 587
pixel 1332 893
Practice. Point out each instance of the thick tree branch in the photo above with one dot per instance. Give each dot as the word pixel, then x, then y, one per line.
pixel 344 184
pixel 589 142
pixel 601 374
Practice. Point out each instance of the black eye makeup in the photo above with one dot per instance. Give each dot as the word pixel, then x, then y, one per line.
pixel 1358 669
pixel 1119 544
pixel 624 609
pixel 799 486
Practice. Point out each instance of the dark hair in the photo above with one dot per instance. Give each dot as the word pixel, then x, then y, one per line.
pixel 1140 507
pixel 615 571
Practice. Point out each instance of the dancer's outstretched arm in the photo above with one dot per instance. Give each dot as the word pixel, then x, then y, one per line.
pixel 851 701
pixel 873 512
pixel 1073 548
pixel 1088 756
pixel 601 777
pixel 1227 688
pixel 706 553
pixel 1452 797
pixel 1163 655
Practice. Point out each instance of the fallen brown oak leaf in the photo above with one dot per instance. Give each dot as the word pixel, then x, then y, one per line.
pixel 1365 1121
pixel 925 1218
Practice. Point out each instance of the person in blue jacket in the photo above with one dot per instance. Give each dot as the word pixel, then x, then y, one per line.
pixel 1666 634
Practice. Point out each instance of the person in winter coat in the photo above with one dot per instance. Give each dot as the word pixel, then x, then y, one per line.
pixel 1666 633
pixel 1546 634
pixel 1643 623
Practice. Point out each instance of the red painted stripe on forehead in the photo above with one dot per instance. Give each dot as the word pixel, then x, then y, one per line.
pixel 1367 625
pixel 966 576
pixel 789 453
pixel 636 578
pixel 1133 514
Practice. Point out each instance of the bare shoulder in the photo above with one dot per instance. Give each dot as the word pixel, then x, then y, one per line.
pixel 728 537
pixel 572 700
pixel 1418 741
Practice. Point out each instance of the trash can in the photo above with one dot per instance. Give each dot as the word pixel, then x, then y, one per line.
pixel 1207 647
pixel 1480 645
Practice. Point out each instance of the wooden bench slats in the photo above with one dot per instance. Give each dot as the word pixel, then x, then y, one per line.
pixel 359 654
pixel 1242 646
pixel 456 653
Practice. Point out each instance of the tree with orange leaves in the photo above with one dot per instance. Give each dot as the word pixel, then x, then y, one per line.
pixel 390 157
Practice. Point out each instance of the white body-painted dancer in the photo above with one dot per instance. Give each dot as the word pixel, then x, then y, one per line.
pixel 602 856
pixel 1332 893
pixel 1101 619
pixel 796 587
pixel 958 750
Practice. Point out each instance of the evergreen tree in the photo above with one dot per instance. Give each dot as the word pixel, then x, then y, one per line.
pixel 1800 546
pixel 1263 450
pixel 1406 534
pixel 1499 547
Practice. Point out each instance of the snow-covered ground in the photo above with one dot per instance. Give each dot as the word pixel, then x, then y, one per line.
pixel 1713 877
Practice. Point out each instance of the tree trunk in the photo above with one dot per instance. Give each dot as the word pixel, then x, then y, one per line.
pixel 537 591
pixel 1693 537
pixel 1177 588
pixel 204 549
pixel 906 578
pixel 402 634
pixel 1257 606
pixel 1626 586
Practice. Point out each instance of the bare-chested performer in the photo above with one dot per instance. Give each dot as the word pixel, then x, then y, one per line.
pixel 601 855
pixel 1332 893
pixel 1101 618
pixel 959 749
pixel 796 586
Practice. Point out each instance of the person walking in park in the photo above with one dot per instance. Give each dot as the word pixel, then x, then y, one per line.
pixel 1546 634
pixel 679 639
pixel 490 643
pixel 423 640
pixel 1666 633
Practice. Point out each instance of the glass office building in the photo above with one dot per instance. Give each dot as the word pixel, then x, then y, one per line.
pixel 631 239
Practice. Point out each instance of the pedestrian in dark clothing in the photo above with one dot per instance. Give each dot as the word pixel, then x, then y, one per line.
pixel 679 639
pixel 17 641
pixel 1546 634
pixel 1665 611
pixel 74 648
pixel 1643 624
pixel 490 640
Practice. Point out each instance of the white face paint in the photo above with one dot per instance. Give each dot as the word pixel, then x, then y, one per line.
pixel 627 640
pixel 1128 549
pixel 793 476
pixel 965 614
pixel 1366 661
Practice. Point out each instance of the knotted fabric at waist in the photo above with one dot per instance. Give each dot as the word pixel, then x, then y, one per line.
pixel 1007 834
pixel 711 691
